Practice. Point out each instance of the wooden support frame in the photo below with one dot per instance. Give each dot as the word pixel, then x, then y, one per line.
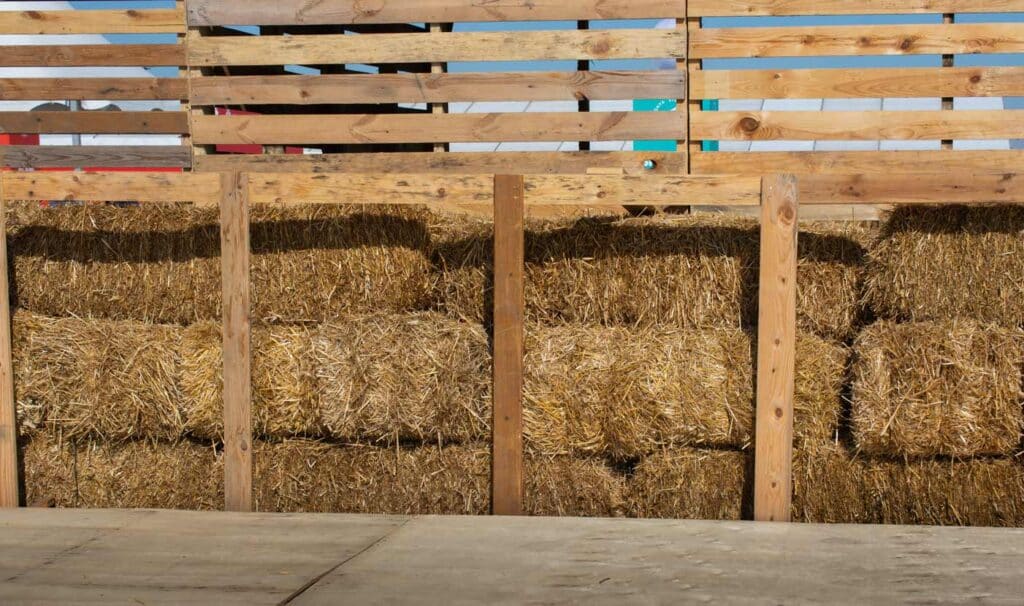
pixel 9 490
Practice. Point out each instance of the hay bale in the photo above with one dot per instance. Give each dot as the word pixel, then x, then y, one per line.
pixel 416 377
pixel 112 380
pixel 691 484
pixel 945 388
pixel 161 263
pixel 687 272
pixel 567 486
pixel 93 474
pixel 622 393
pixel 949 262
pixel 828 487
pixel 285 401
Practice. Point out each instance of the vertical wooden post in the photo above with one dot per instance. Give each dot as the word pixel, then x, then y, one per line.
pixel 9 496
pixel 948 61
pixel 507 445
pixel 234 238
pixel 439 68
pixel 583 105
pixel 776 350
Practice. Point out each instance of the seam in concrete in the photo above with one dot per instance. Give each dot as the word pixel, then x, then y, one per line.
pixel 312 582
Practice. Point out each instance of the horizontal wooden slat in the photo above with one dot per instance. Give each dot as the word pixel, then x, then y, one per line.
pixel 95 55
pixel 399 128
pixel 56 156
pixel 112 89
pixel 100 187
pixel 874 125
pixel 850 83
pixel 436 88
pixel 154 21
pixel 858 40
pixel 627 163
pixel 615 190
pixel 734 8
pixel 93 123
pixel 857 162
pixel 929 188
pixel 443 47
pixel 304 12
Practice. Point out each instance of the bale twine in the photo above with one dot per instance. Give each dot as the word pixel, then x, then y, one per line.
pixel 687 272
pixel 110 380
pixel 128 475
pixel 622 393
pixel 161 263
pixel 938 388
pixel 949 262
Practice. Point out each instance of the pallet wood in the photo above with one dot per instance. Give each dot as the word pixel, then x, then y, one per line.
pixel 93 55
pixel 103 187
pixel 858 126
pixel 112 89
pixel 234 230
pixel 152 21
pixel 776 350
pixel 942 39
pixel 370 189
pixel 929 188
pixel 406 48
pixel 9 489
pixel 763 8
pixel 418 128
pixel 302 12
pixel 104 156
pixel 435 88
pixel 620 190
pixel 870 83
pixel 859 162
pixel 94 123
pixel 509 312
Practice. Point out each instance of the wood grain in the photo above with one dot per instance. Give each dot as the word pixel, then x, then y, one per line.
pixel 776 350
pixel 846 83
pixel 96 123
pixel 959 39
pixel 417 48
pixel 435 88
pixel 96 55
pixel 153 21
pixel 304 12
pixel 861 126
pixel 858 162
pixel 110 89
pixel 955 187
pixel 95 156
pixel 234 232
pixel 370 188
pixel 509 311
pixel 737 8
pixel 373 128
pixel 102 187
pixel 9 489
pixel 619 190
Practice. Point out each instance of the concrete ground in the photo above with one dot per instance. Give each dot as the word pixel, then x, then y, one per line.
pixel 154 557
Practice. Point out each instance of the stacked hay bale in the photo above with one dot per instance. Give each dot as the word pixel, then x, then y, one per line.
pixel 640 345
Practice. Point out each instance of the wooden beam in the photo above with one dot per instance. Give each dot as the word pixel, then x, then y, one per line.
pixel 234 231
pixel 94 157
pixel 109 89
pixel 764 8
pixel 104 187
pixel 860 162
pixel 94 55
pixel 9 491
pixel 94 123
pixel 134 21
pixel 776 350
pixel 955 187
pixel 509 310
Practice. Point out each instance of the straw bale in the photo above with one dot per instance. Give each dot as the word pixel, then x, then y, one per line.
pixel 113 380
pixel 142 474
pixel 949 262
pixel 938 388
pixel 687 272
pixel 621 392
pixel 689 483
pixel 415 377
pixel 161 262
pixel 828 486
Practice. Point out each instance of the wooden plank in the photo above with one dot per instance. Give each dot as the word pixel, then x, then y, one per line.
pixel 96 123
pixel 857 162
pixel 776 350
pixel 95 55
pixel 849 83
pixel 102 187
pixel 860 126
pixel 234 237
pixel 398 128
pixel 112 89
pixel 958 187
pixel 10 494
pixel 302 12
pixel 509 311
pixel 619 190
pixel 134 21
pixel 468 46
pixel 370 188
pixel 628 163
pixel 959 39
pixel 94 156
pixel 436 88
pixel 752 8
